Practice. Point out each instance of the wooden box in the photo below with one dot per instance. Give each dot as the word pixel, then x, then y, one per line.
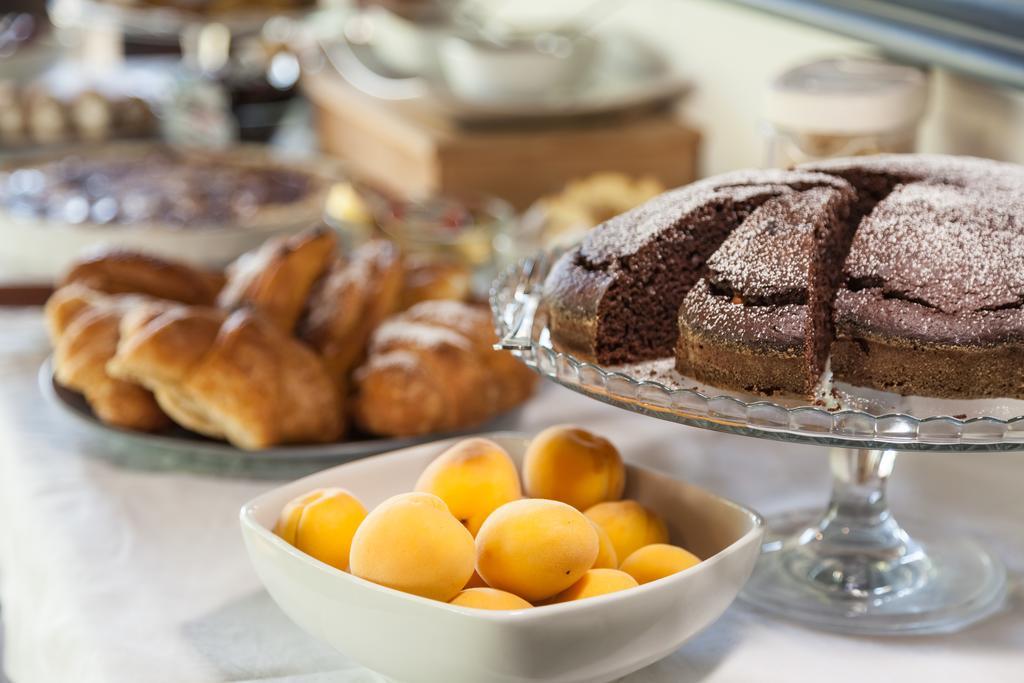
pixel 408 149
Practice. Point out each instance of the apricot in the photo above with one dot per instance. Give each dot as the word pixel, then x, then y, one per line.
pixel 574 466
pixel 322 523
pixel 488 598
pixel 288 520
pixel 412 543
pixel 656 561
pixel 475 581
pixel 474 477
pixel 535 548
pixel 596 582
pixel 629 524
pixel 606 557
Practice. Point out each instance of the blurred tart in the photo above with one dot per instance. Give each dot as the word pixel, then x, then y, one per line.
pixel 203 206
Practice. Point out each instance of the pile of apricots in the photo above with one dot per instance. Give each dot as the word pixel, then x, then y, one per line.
pixel 468 536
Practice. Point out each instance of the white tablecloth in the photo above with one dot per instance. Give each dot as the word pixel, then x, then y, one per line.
pixel 111 574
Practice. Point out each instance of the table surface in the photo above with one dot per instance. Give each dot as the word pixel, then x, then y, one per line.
pixel 110 573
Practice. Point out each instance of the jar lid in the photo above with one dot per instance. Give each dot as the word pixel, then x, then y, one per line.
pixel 848 96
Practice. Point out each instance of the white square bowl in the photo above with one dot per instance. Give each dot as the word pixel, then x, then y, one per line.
pixel 413 639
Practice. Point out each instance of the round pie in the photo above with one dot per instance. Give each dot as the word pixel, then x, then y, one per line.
pixel 205 207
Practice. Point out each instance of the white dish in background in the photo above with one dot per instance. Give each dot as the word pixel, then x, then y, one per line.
pixel 625 73
pixel 480 71
pixel 40 250
pixel 41 253
pixel 403 46
pixel 413 639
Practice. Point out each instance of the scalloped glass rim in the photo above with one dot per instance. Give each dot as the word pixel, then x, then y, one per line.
pixel 515 299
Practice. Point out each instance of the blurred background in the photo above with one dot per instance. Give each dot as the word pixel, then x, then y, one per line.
pixel 479 128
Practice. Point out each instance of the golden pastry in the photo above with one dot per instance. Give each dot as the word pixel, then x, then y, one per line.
pixel 277 278
pixel 84 327
pixel 432 369
pixel 351 302
pixel 120 271
pixel 66 303
pixel 513 381
pixel 233 376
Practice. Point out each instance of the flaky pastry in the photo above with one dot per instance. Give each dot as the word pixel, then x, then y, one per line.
pixel 119 271
pixel 276 279
pixel 350 302
pixel 234 376
pixel 432 369
pixel 84 327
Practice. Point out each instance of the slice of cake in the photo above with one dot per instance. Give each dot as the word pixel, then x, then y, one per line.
pixel 934 294
pixel 761 319
pixel 614 298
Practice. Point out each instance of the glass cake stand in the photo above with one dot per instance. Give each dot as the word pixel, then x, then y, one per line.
pixel 852 568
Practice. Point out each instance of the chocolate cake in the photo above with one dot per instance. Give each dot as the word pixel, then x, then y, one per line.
pixel 928 301
pixel 614 298
pixel 933 294
pixel 761 320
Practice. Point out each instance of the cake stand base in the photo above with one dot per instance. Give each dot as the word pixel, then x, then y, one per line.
pixel 856 570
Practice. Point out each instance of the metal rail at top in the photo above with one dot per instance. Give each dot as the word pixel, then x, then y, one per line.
pixel 982 38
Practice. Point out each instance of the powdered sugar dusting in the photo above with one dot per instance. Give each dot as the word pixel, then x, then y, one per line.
pixel 402 333
pixel 716 317
pixel 626 234
pixel 952 248
pixel 962 171
pixel 941 252
pixel 772 253
pixel 453 314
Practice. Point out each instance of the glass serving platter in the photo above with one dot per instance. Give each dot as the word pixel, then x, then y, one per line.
pixel 841 415
pixel 178 448
pixel 852 568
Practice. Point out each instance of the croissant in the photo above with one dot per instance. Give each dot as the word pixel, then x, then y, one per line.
pixel 67 303
pixel 277 278
pixel 433 369
pixel 84 327
pixel 127 272
pixel 514 381
pixel 350 303
pixel 235 376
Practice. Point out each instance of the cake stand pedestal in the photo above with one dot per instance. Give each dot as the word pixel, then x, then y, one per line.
pixel 854 569
pixel 851 568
